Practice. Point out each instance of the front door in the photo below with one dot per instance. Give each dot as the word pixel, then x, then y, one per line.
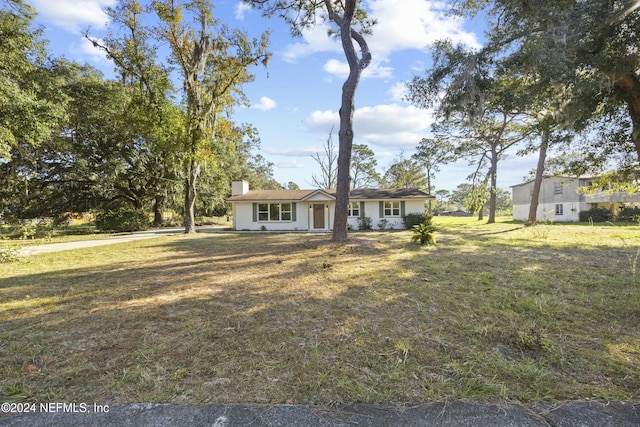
pixel 318 216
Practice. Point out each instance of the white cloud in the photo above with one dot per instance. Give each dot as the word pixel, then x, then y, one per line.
pixel 391 125
pixel 73 15
pixel 241 9
pixel 265 104
pixel 87 51
pixel 414 24
pixel 399 91
pixel 401 25
pixel 289 164
pixel 314 40
pixel 320 121
pixel 293 152
pixel 374 70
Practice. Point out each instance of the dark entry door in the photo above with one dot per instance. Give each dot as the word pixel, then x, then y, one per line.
pixel 318 216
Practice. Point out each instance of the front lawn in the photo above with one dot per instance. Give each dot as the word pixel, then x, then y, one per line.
pixel 492 312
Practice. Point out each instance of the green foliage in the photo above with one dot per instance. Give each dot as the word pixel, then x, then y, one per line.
pixel 423 234
pixel 630 214
pixel 123 220
pixel 595 215
pixel 365 223
pixel 363 167
pixel 28 110
pixel 9 255
pixel 587 48
pixel 532 341
pixel 405 173
pixel 413 219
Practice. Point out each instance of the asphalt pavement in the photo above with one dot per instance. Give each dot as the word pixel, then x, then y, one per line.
pixel 447 414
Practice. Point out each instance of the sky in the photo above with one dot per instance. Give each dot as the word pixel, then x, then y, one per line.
pixel 295 100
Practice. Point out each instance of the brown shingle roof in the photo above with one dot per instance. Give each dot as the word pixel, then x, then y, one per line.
pixel 388 193
pixel 356 194
pixel 254 195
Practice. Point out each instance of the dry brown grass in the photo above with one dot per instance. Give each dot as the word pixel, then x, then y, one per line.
pixel 492 312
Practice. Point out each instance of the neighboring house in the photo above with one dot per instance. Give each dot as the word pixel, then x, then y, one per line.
pixel 560 200
pixel 313 210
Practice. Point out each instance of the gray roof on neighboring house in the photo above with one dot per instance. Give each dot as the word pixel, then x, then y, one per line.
pixel 355 194
pixel 546 177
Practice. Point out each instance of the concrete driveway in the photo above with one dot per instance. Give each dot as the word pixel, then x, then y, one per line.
pixel 138 235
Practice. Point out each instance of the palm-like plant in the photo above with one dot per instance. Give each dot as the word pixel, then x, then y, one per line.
pixel 423 234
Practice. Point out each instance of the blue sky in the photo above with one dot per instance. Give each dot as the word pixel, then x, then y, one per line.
pixel 294 102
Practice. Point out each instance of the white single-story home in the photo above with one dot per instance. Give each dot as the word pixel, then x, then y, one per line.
pixel 313 210
pixel 562 200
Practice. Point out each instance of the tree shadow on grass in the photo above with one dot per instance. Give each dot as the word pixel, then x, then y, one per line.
pixel 273 319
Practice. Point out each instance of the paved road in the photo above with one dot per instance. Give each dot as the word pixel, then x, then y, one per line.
pixel 449 414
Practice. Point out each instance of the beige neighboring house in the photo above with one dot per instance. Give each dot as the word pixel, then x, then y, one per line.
pixel 313 210
pixel 561 201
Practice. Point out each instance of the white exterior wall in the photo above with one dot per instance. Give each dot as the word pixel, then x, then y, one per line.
pixel 547 212
pixel 572 202
pixel 243 216
pixel 372 210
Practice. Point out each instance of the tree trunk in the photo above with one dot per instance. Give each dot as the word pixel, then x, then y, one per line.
pixel 628 86
pixel 340 229
pixel 430 206
pixel 493 175
pixel 193 170
pixel 347 106
pixel 158 210
pixel 537 183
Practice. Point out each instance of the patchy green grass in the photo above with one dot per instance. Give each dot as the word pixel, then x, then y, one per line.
pixel 491 312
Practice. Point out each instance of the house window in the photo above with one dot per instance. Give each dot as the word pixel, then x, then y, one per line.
pixel 263 212
pixel 557 188
pixel 559 210
pixel 354 209
pixel 274 212
pixel 391 208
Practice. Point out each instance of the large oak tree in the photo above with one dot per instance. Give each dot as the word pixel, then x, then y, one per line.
pixel 350 23
pixel 212 62
pixel 588 47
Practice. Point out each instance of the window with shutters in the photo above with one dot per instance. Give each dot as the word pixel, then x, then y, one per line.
pixel 391 209
pixel 274 212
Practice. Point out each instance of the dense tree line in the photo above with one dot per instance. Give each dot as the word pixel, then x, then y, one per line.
pixel 552 75
pixel 72 141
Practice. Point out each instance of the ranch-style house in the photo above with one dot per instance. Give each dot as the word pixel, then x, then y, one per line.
pixel 313 210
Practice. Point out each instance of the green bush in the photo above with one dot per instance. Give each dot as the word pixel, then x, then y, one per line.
pixel 595 215
pixel 629 214
pixel 423 234
pixel 365 223
pixel 122 220
pixel 413 219
pixel 10 254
